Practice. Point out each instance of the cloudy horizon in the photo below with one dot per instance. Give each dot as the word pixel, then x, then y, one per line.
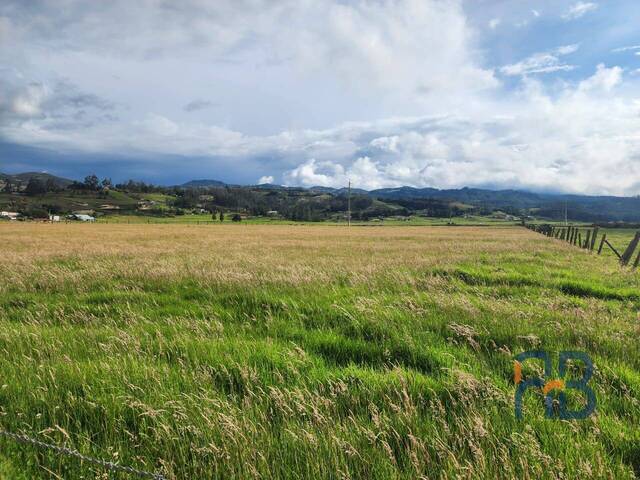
pixel 538 95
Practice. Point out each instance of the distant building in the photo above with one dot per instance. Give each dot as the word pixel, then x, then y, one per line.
pixel 82 217
pixel 10 215
pixel 54 218
pixel 272 213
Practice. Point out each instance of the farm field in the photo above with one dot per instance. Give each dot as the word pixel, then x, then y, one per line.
pixel 309 351
pixel 206 219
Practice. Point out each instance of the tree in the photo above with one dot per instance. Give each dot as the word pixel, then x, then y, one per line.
pixel 50 185
pixel 91 182
pixel 106 183
pixel 221 216
pixel 8 187
pixel 236 217
pixel 35 187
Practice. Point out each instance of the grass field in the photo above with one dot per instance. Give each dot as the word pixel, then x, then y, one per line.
pixel 275 351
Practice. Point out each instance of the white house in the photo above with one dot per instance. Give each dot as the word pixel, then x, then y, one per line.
pixel 83 218
pixel 9 215
pixel 54 218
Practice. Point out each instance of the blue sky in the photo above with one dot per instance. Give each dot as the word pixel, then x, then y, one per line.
pixel 539 95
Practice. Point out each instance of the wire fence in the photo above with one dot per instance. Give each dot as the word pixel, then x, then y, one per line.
pixel 574 236
pixel 25 439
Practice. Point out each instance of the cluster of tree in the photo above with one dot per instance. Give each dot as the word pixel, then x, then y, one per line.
pixel 92 183
pixel 132 186
pixel 36 186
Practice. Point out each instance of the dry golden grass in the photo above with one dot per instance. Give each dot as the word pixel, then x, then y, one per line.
pixel 251 253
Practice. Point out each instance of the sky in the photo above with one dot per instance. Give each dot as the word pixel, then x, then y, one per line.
pixel 537 95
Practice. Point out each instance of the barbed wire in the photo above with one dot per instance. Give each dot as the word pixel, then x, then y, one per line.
pixel 74 453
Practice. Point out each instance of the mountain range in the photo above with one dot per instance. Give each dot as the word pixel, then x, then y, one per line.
pixel 550 205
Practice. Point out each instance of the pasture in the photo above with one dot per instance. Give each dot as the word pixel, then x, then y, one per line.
pixel 298 351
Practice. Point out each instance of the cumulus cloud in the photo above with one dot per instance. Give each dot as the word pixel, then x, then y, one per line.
pixel 545 62
pixel 579 9
pixel 265 179
pixel 286 78
pixel 577 139
pixel 58 104
pixel 604 79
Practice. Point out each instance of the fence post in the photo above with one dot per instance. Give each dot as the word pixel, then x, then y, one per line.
pixel 593 238
pixel 628 253
pixel 602 240
pixel 613 249
pixel 587 241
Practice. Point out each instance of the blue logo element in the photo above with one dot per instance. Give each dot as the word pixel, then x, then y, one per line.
pixel 548 384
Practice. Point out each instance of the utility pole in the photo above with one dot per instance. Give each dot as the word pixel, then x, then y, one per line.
pixel 349 204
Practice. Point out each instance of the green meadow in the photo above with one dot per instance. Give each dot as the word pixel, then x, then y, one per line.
pixel 310 351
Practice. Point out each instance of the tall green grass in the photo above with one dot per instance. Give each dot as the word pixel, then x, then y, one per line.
pixel 405 375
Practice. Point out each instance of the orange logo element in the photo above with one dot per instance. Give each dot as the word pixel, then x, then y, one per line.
pixel 517 372
pixel 553 385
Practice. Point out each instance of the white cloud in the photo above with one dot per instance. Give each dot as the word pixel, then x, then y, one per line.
pixel 535 13
pixel 604 79
pixel 545 62
pixel 577 139
pixel 27 103
pixel 265 179
pixel 579 9
pixel 626 49
pixel 266 89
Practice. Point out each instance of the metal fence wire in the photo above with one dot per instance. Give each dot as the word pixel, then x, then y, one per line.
pixel 20 438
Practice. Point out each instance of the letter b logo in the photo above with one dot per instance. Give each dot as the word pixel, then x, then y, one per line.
pixel 547 385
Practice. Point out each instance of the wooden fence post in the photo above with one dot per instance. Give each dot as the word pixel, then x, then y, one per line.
pixel 613 249
pixel 628 253
pixel 587 240
pixel 604 239
pixel 593 238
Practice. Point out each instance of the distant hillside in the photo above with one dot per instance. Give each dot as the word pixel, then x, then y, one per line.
pixel 325 202
pixel 23 178
pixel 579 207
pixel 339 191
